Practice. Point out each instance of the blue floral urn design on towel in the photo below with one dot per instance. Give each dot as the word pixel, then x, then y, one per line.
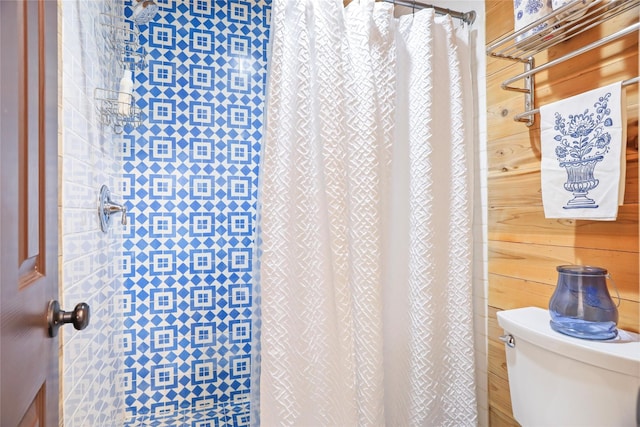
pixel 583 142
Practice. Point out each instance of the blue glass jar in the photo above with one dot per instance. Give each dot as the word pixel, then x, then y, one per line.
pixel 581 305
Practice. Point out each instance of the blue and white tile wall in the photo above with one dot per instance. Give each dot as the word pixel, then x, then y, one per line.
pixel 190 185
pixel 89 158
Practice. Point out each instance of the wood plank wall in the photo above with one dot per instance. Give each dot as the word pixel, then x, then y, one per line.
pixel 524 247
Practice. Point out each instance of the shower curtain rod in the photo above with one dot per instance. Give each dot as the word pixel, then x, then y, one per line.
pixel 466 17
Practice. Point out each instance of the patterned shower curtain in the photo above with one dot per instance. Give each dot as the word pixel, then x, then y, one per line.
pixel 365 248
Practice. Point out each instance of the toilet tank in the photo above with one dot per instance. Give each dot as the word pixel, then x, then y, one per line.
pixel 557 380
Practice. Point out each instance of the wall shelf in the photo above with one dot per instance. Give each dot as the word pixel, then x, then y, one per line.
pixel 565 23
pixel 123 51
pixel 109 110
pixel 122 39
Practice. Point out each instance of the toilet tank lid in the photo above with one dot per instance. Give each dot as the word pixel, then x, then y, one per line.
pixel 531 324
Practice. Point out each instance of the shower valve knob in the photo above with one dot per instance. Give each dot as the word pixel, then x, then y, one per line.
pixel 56 317
pixel 107 207
pixel 111 208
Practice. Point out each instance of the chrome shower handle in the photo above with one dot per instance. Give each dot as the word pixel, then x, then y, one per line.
pixel 111 208
pixel 107 207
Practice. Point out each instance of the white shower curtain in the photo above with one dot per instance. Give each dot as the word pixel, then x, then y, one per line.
pixel 365 257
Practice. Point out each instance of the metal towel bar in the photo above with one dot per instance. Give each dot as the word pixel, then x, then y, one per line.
pixel 520 117
pixel 601 42
pixel 566 25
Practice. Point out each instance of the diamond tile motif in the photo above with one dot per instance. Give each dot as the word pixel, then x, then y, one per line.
pixel 189 181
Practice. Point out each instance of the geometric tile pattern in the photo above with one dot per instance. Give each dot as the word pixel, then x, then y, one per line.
pixel 228 416
pixel 189 182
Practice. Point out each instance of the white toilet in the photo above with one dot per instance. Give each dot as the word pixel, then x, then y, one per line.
pixel 557 380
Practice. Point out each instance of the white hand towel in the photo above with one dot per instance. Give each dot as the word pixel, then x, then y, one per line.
pixel 577 10
pixel 583 141
pixel 526 12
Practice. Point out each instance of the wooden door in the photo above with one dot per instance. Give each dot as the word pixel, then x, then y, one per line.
pixel 28 212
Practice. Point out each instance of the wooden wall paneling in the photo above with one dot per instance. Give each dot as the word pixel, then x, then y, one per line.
pixel 502 105
pixel 497 65
pixel 515 188
pixel 499 394
pixel 629 315
pixel 609 53
pixel 530 293
pixel 520 186
pixel 501 12
pixel 512 153
pixel 514 167
pixel 524 247
pixel 566 85
pixel 631 185
pixel 527 224
pixel 584 73
pixel 497 355
pixel 500 123
pixel 499 419
pixel 538 263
